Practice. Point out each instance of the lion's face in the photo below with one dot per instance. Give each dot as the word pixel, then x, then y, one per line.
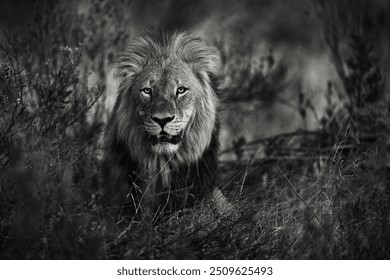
pixel 166 106
pixel 167 97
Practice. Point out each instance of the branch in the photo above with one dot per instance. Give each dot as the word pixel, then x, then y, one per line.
pixel 275 137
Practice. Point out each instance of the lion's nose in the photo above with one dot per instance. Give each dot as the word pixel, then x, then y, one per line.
pixel 162 121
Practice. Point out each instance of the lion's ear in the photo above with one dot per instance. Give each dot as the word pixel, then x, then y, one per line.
pixel 210 63
pixel 122 74
pixel 133 59
pixel 127 66
pixel 207 66
pixel 204 59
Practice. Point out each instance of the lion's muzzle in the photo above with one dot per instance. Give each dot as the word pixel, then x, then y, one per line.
pixel 165 133
pixel 162 121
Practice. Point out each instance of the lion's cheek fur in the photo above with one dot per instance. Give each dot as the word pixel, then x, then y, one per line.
pixel 127 130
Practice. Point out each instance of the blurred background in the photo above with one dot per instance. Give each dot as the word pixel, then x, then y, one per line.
pixel 304 85
pixel 275 52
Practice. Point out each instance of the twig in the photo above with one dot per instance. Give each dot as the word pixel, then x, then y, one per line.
pixel 301 198
pixel 275 137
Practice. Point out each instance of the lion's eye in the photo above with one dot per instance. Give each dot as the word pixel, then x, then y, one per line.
pixel 146 91
pixel 181 90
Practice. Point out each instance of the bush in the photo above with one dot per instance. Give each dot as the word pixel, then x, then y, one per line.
pixel 49 176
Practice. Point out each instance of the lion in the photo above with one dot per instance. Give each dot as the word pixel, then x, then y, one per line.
pixel 161 141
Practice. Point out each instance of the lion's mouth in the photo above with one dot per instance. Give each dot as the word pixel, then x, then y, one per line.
pixel 164 137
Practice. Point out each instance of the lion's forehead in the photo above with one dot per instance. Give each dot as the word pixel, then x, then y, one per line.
pixel 166 77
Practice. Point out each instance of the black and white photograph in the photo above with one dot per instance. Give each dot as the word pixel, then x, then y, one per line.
pixel 195 130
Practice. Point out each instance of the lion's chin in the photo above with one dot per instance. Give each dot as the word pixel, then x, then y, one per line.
pixel 165 148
